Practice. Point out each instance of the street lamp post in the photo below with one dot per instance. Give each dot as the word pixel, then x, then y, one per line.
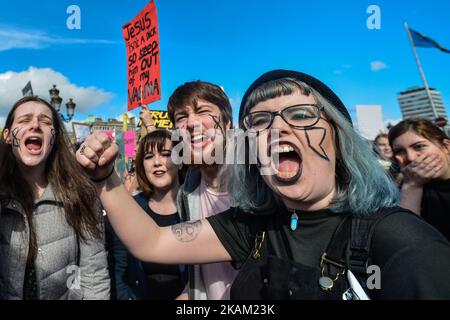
pixel 56 100
pixel 70 106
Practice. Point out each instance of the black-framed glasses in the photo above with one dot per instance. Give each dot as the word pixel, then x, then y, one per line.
pixel 298 116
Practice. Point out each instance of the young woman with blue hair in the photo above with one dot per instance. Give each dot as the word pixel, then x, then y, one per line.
pixel 312 226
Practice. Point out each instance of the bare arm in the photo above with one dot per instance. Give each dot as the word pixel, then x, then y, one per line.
pixel 190 242
pixel 146 117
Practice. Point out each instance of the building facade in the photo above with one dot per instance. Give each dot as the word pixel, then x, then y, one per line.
pixel 415 103
pixel 110 125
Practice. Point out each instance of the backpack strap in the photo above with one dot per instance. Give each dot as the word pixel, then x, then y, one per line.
pixel 351 243
pixel 360 242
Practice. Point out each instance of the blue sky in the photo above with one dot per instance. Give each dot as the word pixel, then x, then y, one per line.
pixel 226 42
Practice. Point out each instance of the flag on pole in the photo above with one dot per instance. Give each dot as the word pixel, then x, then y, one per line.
pixel 27 90
pixel 421 40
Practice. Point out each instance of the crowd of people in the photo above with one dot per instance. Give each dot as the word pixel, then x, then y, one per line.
pixel 317 210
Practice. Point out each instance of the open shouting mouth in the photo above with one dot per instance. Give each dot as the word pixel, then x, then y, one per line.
pixel 200 140
pixel 34 145
pixel 289 166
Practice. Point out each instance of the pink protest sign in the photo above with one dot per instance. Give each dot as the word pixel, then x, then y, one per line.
pixel 110 134
pixel 130 143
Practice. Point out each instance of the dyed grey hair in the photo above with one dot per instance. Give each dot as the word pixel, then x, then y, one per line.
pixel 362 185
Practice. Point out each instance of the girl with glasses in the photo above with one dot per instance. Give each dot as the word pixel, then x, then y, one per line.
pixel 312 229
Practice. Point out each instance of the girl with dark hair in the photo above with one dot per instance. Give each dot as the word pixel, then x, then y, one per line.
pixel 159 180
pixel 423 152
pixel 312 221
pixel 51 233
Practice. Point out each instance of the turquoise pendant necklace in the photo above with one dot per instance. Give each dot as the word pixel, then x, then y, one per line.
pixel 294 221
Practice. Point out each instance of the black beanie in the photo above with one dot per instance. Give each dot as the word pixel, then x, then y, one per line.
pixel 314 83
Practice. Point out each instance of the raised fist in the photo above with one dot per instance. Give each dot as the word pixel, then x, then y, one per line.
pixel 97 155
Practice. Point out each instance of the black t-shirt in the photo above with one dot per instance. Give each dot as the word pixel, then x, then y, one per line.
pixel 414 259
pixel 436 205
pixel 236 230
pixel 164 281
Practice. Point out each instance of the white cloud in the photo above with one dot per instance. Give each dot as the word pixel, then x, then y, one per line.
pixel 42 79
pixel 338 72
pixel 13 38
pixel 346 66
pixel 376 66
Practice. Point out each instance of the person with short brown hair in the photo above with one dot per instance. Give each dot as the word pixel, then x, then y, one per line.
pixel 202 111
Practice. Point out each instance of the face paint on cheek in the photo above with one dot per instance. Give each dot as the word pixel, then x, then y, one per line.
pixel 52 139
pixel 15 134
pixel 217 124
pixel 318 149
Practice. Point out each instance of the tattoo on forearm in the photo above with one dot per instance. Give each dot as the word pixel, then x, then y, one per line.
pixel 187 231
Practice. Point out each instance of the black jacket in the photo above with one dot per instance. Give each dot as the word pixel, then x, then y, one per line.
pixel 129 280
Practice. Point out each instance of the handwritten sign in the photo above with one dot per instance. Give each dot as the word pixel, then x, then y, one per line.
pixel 161 119
pixel 142 42
pixel 130 144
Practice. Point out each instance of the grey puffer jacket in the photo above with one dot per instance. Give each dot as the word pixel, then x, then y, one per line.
pixel 66 268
